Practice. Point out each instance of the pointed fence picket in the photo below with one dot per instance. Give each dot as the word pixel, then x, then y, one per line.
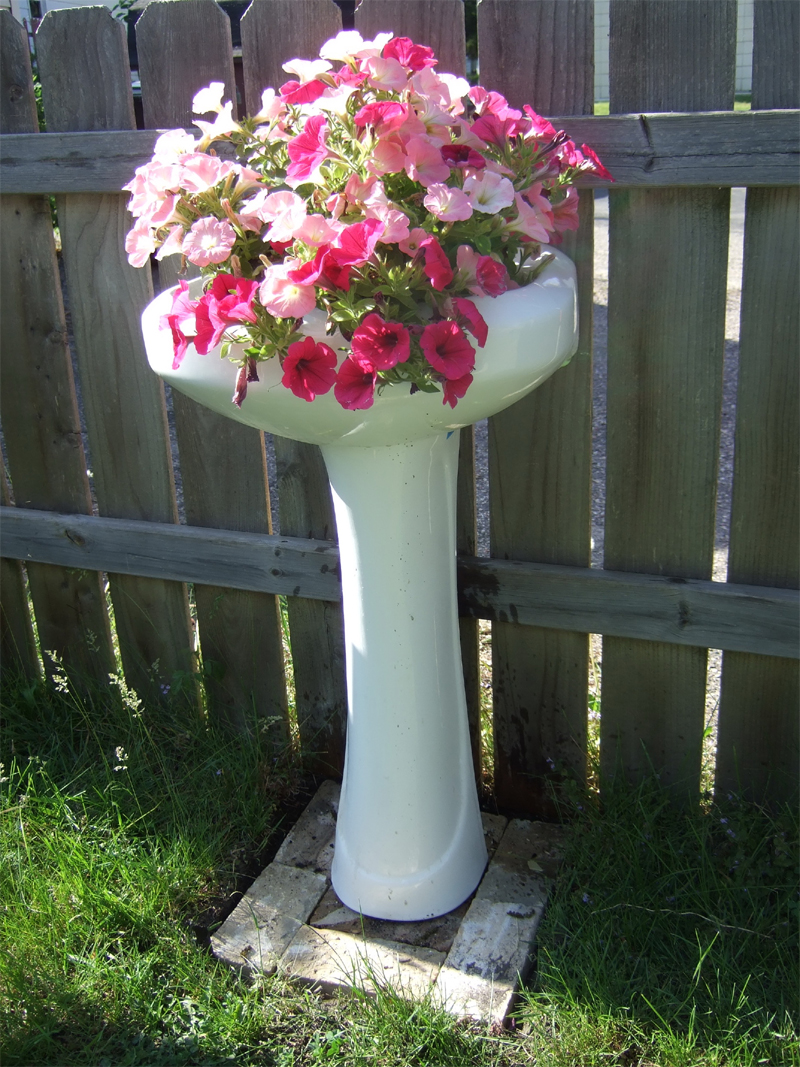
pixel 654 604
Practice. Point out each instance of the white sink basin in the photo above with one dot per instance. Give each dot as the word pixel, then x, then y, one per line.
pixel 532 331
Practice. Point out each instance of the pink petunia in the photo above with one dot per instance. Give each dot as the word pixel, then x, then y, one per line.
pixel 565 212
pixel 307 150
pixel 283 297
pixel 309 368
pixel 409 55
pixel 356 243
pixel 593 164
pixel 139 244
pixel 180 317
pixel 295 92
pixel 209 241
pixel 414 242
pixel 437 265
pixel 455 388
pixel 229 302
pixel 385 116
pixel 447 203
pixel 355 387
pixel 471 319
pixel 447 349
pixel 380 345
pixel 385 73
pixel 492 276
pixel 488 192
pixel 424 163
pixel 461 156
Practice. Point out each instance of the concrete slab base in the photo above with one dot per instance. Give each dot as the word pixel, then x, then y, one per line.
pixel 470 961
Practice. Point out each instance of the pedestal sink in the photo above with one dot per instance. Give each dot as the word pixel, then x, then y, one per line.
pixel 409 841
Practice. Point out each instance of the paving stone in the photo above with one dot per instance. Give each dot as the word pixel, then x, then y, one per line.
pixel 332 960
pixel 257 932
pixel 310 843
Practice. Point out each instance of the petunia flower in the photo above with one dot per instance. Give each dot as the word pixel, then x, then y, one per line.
pixel 380 345
pixel 309 368
pixel 447 203
pixel 489 193
pixel 355 387
pixel 437 266
pixel 209 241
pixel 283 297
pixel 447 349
pixel 455 388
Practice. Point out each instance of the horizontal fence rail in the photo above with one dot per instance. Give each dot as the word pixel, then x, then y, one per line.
pixel 681 611
pixel 717 148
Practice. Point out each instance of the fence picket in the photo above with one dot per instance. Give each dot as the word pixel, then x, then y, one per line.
pixel 272 33
pixel 439 24
pixel 41 424
pixel 223 464
pixel 86 84
pixel 758 725
pixel 540 449
pixel 275 31
pixel 667 291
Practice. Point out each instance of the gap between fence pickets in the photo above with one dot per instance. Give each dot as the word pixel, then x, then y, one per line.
pixel 471 961
pixel 739 618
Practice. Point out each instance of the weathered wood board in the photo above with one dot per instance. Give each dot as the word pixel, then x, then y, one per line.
pixel 746 148
pixel 41 424
pixel 182 48
pixel 683 611
pixel 759 735
pixel 540 448
pixel 667 291
pixel 82 57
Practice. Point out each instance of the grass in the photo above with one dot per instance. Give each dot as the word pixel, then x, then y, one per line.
pixel 126 834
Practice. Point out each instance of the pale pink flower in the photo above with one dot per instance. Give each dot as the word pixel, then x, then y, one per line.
pixel 287 212
pixel 388 156
pixel 272 107
pixel 208 99
pixel 446 203
pixel 349 45
pixel 201 172
pixel 565 212
pixel 395 222
pixel 209 241
pixel 415 240
pixel 385 73
pixel 531 220
pixel 165 212
pixel 316 230
pixel 284 298
pixel 489 193
pixel 224 123
pixel 424 163
pixel 306 70
pixel 173 246
pixel 139 244
pixel 173 144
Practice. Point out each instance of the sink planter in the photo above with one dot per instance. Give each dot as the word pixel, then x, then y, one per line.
pixel 409 842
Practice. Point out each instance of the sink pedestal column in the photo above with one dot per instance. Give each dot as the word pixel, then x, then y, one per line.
pixel 409 840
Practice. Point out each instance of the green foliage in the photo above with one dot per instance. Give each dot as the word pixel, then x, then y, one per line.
pixel 670 939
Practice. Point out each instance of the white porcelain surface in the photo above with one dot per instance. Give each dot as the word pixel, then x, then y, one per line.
pixel 409 842
pixel 532 332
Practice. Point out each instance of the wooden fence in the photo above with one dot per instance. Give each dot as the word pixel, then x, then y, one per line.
pixel 655 604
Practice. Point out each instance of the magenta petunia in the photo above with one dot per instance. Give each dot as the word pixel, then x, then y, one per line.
pixel 409 55
pixel 182 314
pixel 492 276
pixel 437 266
pixel 295 92
pixel 455 388
pixel 447 349
pixel 356 243
pixel 307 150
pixel 471 319
pixel 380 345
pixel 355 387
pixel 309 368
pixel 462 156
pixel 385 116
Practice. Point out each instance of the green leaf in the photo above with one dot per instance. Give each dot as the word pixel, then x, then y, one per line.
pixel 483 244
